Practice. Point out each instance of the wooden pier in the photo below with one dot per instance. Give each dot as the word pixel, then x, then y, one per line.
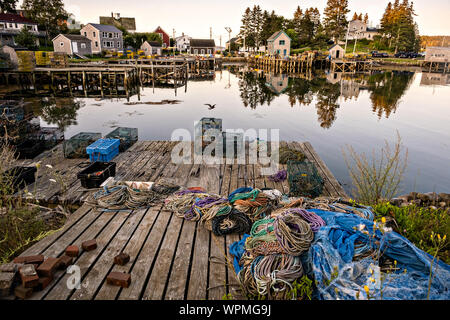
pixel 171 258
pixel 122 78
pixel 292 65
pixel 351 65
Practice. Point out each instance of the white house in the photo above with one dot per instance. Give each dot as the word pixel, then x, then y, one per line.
pixel 12 24
pixel 358 29
pixel 151 48
pixel 279 44
pixel 183 43
pixel 336 52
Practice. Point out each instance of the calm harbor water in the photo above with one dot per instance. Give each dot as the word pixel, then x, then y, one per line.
pixel 328 110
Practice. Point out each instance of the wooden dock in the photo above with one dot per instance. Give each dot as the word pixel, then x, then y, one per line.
pixel 170 258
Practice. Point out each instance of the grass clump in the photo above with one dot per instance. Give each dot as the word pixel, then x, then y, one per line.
pixel 418 224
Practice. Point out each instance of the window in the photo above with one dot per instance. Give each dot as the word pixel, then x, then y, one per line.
pixel 93 34
pixel 118 44
pixel 2 26
pixel 196 51
pixel 110 35
pixel 203 51
pixel 282 42
pixel 209 51
pixel 61 44
pixel 17 27
pixel 96 44
pixel 83 46
pixel 85 34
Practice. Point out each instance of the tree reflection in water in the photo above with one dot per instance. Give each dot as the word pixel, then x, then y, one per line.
pixel 59 111
pixel 386 89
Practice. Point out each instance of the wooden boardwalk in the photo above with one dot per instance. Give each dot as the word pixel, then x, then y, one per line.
pixel 170 258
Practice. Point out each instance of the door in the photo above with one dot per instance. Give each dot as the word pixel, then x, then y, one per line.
pixel 337 54
pixel 74 47
pixel 285 52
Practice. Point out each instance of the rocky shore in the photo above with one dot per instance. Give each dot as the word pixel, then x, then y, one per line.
pixel 430 199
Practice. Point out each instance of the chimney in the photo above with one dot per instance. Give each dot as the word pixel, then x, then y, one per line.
pixel 112 14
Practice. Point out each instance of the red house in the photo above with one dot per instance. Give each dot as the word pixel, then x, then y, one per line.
pixel 164 36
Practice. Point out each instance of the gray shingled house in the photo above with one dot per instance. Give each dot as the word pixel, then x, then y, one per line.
pixel 103 37
pixel 202 46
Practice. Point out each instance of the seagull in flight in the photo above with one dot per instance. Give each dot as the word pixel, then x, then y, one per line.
pixel 210 106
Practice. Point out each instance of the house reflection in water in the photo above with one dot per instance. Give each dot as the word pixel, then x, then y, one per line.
pixel 277 83
pixel 435 79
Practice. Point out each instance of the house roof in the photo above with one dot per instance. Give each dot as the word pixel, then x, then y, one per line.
pixel 201 43
pixel 73 37
pixel 277 34
pixel 153 43
pixel 15 18
pixel 105 27
pixel 335 45
pixel 161 30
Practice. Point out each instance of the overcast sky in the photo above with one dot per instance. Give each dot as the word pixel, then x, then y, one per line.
pixel 195 17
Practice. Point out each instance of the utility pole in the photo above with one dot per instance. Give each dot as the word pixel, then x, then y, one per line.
pixel 174 42
pixel 220 40
pixel 210 32
pixel 346 38
pixel 229 38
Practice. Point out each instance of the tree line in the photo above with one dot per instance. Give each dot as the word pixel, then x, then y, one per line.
pixel 306 28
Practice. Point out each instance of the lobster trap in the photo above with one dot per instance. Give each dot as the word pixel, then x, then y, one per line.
pixel 127 137
pixel 304 179
pixel 75 147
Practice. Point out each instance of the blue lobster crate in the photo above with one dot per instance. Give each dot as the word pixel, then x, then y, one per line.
pixel 103 150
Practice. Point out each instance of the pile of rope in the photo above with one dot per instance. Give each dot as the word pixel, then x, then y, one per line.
pixel 331 204
pixel 287 154
pixel 212 211
pixel 122 197
pixel 255 203
pixel 271 262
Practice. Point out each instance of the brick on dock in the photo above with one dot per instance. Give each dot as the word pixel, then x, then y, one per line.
pixel 64 262
pixel 89 245
pixel 23 293
pixel 28 276
pixel 38 259
pixel 121 259
pixel 72 251
pixel 119 279
pixel 48 267
pixel 43 283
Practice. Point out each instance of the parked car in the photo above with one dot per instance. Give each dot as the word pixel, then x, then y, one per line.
pixel 376 54
pixel 407 55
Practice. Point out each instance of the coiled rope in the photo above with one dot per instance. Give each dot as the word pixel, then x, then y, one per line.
pixel 233 222
pixel 293 233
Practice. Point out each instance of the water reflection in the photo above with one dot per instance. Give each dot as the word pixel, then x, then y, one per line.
pixel 386 89
pixel 61 112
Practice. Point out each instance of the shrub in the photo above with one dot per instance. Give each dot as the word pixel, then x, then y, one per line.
pixel 377 178
pixel 417 224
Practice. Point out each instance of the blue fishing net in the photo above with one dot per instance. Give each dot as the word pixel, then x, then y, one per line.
pixel 332 262
pixel 333 250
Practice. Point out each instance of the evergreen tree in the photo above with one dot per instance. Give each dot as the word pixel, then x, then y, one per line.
pixel 297 21
pixel 399 31
pixel 7 6
pixel 26 39
pixel 335 20
pixel 366 19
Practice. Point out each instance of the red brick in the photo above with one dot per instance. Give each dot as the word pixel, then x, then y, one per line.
pixel 72 251
pixel 48 267
pixel 119 279
pixel 23 293
pixel 28 276
pixel 43 283
pixel 64 262
pixel 122 259
pixel 89 245
pixel 30 259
